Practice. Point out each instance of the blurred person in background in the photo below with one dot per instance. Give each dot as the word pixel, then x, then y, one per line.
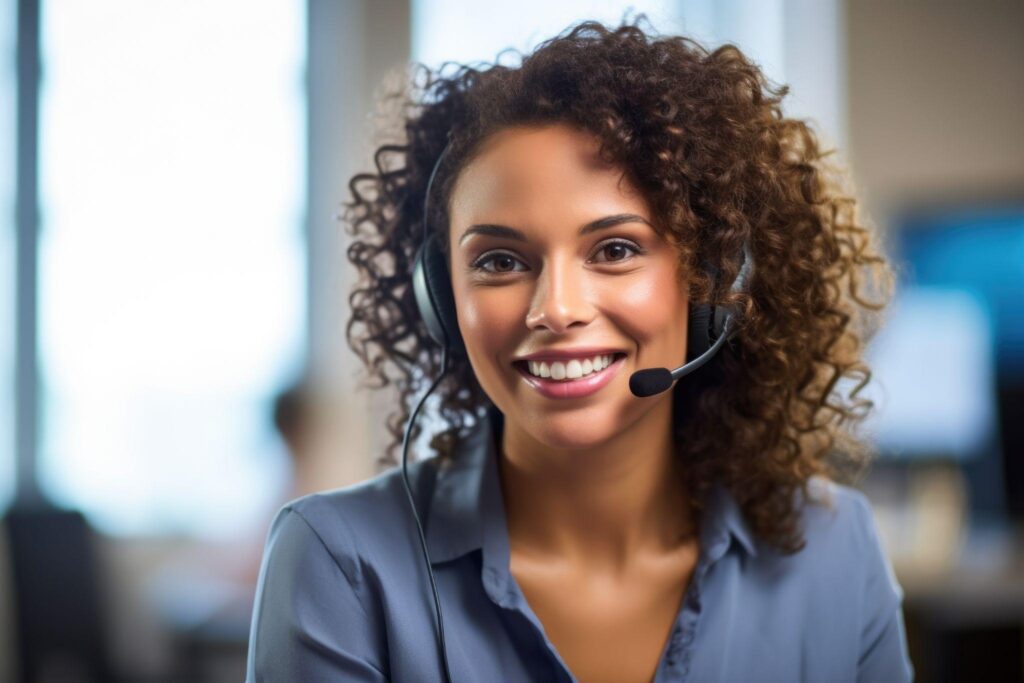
pixel 294 416
pixel 212 586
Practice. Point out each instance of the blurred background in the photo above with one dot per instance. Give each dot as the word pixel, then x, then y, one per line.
pixel 173 294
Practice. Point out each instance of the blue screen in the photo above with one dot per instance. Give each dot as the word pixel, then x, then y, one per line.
pixel 954 331
pixel 977 249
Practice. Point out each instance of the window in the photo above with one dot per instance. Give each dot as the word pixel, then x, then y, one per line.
pixel 8 130
pixel 171 256
pixel 461 32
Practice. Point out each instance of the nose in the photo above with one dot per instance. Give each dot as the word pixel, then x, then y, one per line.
pixel 560 299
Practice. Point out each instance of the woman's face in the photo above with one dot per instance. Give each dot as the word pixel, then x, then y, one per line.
pixel 542 282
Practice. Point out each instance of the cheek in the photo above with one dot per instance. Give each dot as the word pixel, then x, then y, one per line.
pixel 651 308
pixel 488 322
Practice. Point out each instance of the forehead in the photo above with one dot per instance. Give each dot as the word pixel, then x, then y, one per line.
pixel 517 164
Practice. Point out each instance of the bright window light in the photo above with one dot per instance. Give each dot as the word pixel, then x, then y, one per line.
pixel 172 270
pixel 466 32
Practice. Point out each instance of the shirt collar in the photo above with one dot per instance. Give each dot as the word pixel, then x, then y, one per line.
pixel 467 510
pixel 467 488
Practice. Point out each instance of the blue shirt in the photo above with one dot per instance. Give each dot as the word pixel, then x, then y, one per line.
pixel 344 595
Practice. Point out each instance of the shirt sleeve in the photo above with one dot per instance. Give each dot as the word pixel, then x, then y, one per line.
pixel 308 621
pixel 883 642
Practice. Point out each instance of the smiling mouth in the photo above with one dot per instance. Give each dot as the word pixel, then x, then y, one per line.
pixel 523 367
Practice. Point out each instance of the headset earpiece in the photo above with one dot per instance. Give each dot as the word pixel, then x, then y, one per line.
pixel 707 323
pixel 435 300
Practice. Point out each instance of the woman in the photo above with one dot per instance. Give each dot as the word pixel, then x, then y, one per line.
pixel 586 201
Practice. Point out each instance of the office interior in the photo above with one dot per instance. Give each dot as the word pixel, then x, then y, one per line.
pixel 173 296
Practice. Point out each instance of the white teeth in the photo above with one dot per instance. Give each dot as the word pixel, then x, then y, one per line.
pixel 574 369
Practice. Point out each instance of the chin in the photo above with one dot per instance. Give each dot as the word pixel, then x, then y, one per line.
pixel 581 428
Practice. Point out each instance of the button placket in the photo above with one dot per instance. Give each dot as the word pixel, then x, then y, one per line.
pixel 692 608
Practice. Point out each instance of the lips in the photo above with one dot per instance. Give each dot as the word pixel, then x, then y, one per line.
pixel 575 388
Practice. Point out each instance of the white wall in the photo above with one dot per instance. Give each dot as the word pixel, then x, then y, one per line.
pixel 936 99
pixel 354 46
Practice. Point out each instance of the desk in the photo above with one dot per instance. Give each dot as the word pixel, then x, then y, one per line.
pixel 208 621
pixel 966 621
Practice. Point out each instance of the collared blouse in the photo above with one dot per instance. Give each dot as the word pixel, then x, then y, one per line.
pixel 344 595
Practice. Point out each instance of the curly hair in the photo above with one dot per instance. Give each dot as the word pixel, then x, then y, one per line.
pixel 701 133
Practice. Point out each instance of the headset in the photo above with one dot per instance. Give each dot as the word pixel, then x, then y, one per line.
pixel 709 328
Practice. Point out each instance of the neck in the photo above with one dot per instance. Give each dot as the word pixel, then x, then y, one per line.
pixel 605 506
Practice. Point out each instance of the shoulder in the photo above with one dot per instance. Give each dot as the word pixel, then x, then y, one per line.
pixel 843 548
pixel 839 517
pixel 317 612
pixel 849 572
pixel 838 512
pixel 359 522
pixel 317 605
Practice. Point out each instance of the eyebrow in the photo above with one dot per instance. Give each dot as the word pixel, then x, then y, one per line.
pixel 513 234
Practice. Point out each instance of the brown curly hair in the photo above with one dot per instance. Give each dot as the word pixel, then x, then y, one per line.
pixel 701 133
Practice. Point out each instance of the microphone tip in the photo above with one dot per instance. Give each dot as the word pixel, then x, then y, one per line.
pixel 649 382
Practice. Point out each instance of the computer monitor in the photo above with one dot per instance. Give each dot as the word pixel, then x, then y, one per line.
pixel 949 360
pixel 933 376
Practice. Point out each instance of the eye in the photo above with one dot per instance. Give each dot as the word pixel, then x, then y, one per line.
pixel 504 260
pixel 617 248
